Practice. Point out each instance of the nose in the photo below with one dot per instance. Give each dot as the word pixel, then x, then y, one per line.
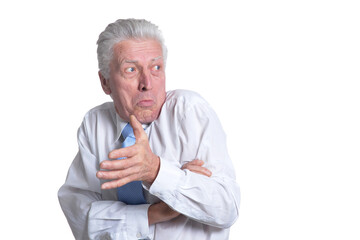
pixel 145 82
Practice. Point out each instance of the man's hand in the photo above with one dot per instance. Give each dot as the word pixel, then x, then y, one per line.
pixel 160 212
pixel 141 164
pixel 196 167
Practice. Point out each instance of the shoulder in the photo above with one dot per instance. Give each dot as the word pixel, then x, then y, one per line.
pixel 183 105
pixel 185 98
pixel 102 114
pixel 98 123
pixel 108 106
pixel 105 109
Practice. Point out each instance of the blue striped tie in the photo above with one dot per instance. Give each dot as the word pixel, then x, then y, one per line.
pixel 131 193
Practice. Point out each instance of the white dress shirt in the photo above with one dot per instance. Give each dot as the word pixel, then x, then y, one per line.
pixel 186 129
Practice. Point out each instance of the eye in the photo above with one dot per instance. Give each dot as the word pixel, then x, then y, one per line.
pixel 156 68
pixel 130 70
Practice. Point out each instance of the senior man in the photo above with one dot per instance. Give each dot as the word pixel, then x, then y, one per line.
pixel 151 164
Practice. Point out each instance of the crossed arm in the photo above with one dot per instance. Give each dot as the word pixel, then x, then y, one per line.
pixel 182 192
pixel 161 212
pixel 141 164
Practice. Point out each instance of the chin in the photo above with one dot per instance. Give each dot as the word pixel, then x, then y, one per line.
pixel 146 117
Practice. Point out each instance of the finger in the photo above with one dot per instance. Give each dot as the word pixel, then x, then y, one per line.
pixel 197 162
pixel 118 182
pixel 138 129
pixel 198 169
pixel 117 164
pixel 122 152
pixel 118 174
pixel 207 174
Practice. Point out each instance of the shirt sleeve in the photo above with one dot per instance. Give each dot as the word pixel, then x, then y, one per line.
pixel 210 200
pixel 91 217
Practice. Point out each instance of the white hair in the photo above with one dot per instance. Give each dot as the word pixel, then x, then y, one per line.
pixel 125 29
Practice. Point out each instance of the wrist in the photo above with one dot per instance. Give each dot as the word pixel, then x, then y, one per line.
pixel 155 169
pixel 152 215
pixel 160 212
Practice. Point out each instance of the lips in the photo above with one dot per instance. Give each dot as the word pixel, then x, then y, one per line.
pixel 146 103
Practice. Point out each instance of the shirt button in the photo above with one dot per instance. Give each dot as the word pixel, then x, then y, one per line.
pixel 138 235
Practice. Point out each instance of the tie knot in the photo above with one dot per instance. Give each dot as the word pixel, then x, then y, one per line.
pixel 127 131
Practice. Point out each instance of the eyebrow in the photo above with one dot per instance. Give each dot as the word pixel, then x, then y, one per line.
pixel 135 61
pixel 154 59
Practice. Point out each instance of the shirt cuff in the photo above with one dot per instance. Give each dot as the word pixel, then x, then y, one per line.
pixel 167 180
pixel 137 222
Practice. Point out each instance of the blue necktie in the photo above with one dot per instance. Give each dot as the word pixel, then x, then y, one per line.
pixel 131 193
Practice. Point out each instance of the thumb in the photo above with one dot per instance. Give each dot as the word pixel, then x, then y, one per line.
pixel 137 127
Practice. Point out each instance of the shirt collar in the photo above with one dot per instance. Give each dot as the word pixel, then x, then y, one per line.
pixel 120 125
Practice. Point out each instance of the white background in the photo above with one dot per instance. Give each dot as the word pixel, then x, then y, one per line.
pixel 283 77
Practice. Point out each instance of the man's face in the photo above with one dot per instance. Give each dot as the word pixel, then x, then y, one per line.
pixel 137 79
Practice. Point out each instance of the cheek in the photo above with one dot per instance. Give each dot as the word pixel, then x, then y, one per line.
pixel 160 84
pixel 121 93
pixel 125 94
pixel 161 96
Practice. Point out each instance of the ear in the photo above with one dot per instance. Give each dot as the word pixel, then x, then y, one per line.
pixel 104 84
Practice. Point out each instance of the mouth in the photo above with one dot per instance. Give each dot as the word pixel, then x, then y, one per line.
pixel 146 103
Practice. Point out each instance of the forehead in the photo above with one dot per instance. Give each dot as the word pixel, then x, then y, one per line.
pixel 137 50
